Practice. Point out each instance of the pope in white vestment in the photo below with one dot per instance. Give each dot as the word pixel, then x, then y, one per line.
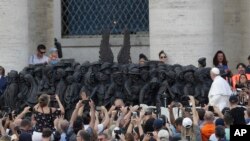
pixel 220 91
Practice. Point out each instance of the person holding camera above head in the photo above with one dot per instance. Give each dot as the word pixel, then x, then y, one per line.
pixel 76 128
pixel 190 130
pixel 45 115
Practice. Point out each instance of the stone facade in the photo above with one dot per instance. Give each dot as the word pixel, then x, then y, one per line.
pixel 185 29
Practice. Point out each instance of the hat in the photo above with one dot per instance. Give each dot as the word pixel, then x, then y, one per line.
pixel 233 99
pixel 163 135
pixel 202 61
pixel 215 71
pixel 219 121
pixel 187 122
pixel 158 123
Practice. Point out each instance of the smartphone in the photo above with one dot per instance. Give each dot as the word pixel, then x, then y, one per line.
pixel 150 133
pixel 31 109
pixel 134 114
pixel 117 108
pixel 84 102
pixel 239 90
pixel 211 108
pixel 98 108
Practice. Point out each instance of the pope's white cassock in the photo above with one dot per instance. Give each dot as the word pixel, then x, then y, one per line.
pixel 219 93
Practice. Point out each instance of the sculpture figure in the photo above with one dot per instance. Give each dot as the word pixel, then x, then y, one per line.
pixel 116 89
pixel 47 83
pixel 10 94
pixel 148 93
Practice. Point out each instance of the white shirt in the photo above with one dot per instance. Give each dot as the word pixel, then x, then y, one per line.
pixel 35 60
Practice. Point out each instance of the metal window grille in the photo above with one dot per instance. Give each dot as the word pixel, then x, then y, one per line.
pixel 90 17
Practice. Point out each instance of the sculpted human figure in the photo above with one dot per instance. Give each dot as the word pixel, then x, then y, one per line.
pixel 133 86
pixel 47 83
pixel 204 81
pixel 23 90
pixel 60 83
pixel 148 93
pixel 189 88
pixel 32 94
pixel 167 80
pixel 38 75
pixel 84 69
pixel 71 96
pixel 116 89
pixel 10 94
pixel 98 93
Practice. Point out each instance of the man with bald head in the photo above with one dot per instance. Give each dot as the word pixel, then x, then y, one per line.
pixel 220 90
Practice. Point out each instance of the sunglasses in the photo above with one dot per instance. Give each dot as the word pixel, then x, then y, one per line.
pixel 163 57
pixel 42 52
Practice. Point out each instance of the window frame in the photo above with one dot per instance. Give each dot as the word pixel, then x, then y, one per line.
pixel 116 40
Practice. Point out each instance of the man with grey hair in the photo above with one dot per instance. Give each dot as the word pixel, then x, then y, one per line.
pixel 220 90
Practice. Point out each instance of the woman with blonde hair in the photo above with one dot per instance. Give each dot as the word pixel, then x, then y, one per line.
pixel 45 115
pixel 190 130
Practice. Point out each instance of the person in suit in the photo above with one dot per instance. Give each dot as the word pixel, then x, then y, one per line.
pixel 3 81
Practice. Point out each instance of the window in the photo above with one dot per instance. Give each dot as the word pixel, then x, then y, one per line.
pixel 90 17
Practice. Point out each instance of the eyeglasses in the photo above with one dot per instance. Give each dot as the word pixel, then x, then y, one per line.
pixel 42 52
pixel 163 57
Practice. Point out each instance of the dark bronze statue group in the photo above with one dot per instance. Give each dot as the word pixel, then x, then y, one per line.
pixel 151 83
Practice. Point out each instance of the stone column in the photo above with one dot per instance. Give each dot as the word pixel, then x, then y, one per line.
pixel 186 29
pixel 14 34
pixel 40 24
pixel 245 25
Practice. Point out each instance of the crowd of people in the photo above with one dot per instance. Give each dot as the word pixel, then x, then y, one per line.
pixel 229 104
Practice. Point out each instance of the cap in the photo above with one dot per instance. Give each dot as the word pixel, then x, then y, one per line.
pixel 233 99
pixel 163 135
pixel 158 123
pixel 215 71
pixel 187 122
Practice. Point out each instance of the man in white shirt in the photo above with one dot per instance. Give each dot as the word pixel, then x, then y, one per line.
pixel 39 57
pixel 220 90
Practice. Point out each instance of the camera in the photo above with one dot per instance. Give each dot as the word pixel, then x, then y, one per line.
pixel 98 108
pixel 150 133
pixel 31 109
pixel 211 108
pixel 117 108
pixel 176 104
pixel 84 102
pixel 117 133
pixel 134 114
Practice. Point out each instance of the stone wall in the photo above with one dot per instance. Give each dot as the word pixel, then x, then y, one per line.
pixel 187 30
pixel 40 24
pixel 14 39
